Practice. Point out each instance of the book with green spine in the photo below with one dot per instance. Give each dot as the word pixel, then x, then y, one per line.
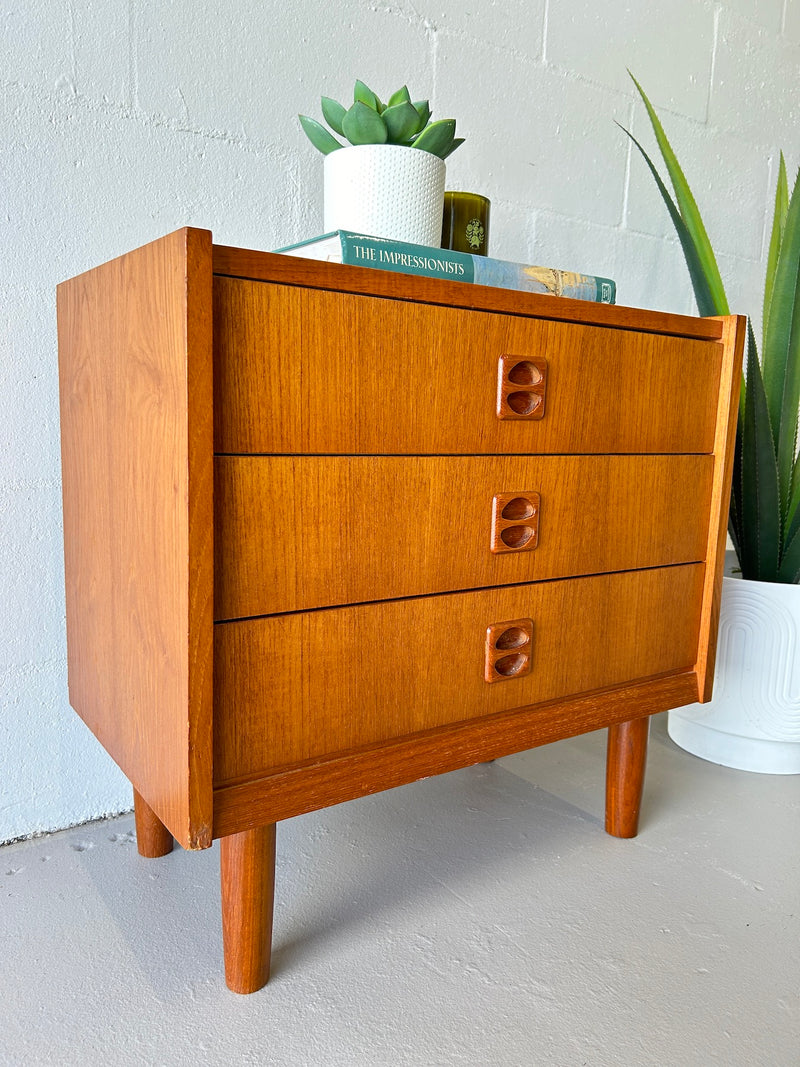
pixel 358 249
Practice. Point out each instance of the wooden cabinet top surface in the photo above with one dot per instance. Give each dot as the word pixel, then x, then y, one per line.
pixel 291 270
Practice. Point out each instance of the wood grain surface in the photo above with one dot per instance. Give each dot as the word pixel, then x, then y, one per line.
pixel 247 880
pixel 137 460
pixel 384 766
pixel 301 370
pixel 372 635
pixel 307 273
pixel 733 337
pixel 313 531
pixel 626 760
pixel 298 687
pixel 153 839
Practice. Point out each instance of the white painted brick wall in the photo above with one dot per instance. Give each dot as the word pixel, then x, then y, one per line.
pixel 121 120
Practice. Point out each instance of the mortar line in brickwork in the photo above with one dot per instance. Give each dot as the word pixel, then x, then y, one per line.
pixel 73 46
pixel 713 71
pixel 133 67
pixel 626 187
pixel 545 26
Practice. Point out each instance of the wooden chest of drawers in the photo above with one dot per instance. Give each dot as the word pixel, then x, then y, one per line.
pixel 329 530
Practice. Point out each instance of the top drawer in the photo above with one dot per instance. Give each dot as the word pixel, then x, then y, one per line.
pixel 309 371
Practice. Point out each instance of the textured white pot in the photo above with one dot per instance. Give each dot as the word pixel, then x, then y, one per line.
pixel 385 190
pixel 753 719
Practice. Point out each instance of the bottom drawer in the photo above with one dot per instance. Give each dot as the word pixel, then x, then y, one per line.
pixel 297 687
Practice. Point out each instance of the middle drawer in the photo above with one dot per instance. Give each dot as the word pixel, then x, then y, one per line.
pixel 299 532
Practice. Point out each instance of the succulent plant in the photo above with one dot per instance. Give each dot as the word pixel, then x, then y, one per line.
pixel 368 121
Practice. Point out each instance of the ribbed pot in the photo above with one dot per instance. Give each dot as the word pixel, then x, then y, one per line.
pixel 387 191
pixel 753 720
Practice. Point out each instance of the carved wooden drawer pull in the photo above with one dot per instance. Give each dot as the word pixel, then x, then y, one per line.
pixel 515 522
pixel 508 650
pixel 521 383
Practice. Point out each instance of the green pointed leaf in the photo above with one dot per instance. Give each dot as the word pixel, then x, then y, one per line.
pixel 742 400
pixel 789 570
pixel 318 135
pixel 457 141
pixel 735 509
pixel 333 112
pixel 791 527
pixel 705 297
pixel 402 121
pixel 781 358
pixel 778 224
pixel 423 109
pixel 688 209
pixel 437 138
pixel 365 95
pixel 761 522
pixel 402 96
pixel 362 125
pixel 792 516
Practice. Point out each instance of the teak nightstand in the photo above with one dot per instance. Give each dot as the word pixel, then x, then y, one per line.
pixel 329 530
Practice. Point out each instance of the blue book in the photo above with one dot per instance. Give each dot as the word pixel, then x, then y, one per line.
pixel 360 250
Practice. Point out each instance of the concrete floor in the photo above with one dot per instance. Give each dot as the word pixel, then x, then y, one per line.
pixel 480 918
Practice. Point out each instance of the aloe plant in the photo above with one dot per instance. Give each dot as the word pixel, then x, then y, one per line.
pixel 764 518
pixel 368 121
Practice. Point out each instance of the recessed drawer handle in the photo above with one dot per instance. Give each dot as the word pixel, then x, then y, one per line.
pixel 521 383
pixel 515 522
pixel 509 647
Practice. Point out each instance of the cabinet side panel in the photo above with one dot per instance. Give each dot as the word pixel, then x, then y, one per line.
pixel 733 338
pixel 135 384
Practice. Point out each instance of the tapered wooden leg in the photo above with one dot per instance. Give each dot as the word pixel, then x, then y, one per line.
pixel 153 839
pixel 247 869
pixel 625 764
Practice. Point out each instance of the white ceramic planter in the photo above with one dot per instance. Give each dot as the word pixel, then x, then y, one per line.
pixel 753 719
pixel 385 190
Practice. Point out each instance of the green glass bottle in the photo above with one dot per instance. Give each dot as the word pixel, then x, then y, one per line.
pixel 465 223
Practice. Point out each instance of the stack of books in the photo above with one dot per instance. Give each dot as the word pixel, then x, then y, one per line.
pixel 358 249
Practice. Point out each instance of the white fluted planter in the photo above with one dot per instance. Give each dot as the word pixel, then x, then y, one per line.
pixel 385 190
pixel 753 720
